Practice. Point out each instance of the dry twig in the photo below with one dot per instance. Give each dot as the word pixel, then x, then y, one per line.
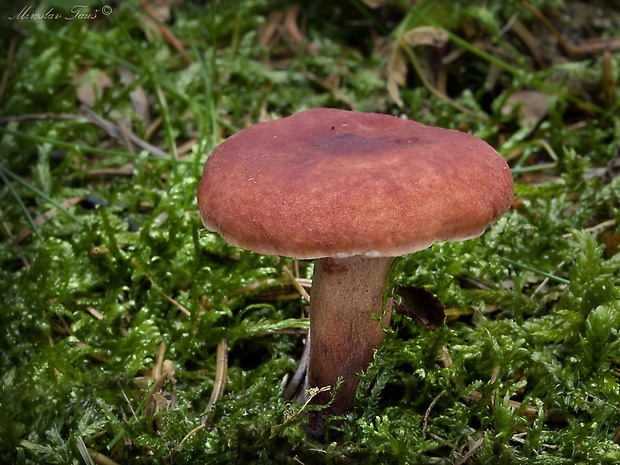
pixel 221 375
pixel 159 289
pixel 114 131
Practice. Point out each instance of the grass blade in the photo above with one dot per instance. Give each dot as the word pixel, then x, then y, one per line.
pixel 19 201
pixel 38 192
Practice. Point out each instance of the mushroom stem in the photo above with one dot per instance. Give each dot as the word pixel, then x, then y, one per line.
pixel 347 299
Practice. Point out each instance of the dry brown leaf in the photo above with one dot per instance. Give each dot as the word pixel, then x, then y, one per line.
pixel 91 84
pixel 153 24
pixel 425 35
pixel 608 80
pixel 160 9
pixel 419 304
pixel 375 3
pixel 267 33
pixel 532 107
pixel 396 70
pixel 138 97
pixel 282 26
pixel 290 25
pixel 611 240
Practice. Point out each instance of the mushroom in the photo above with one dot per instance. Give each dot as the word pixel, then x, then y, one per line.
pixel 352 191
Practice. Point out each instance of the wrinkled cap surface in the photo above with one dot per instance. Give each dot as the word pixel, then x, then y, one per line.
pixel 336 183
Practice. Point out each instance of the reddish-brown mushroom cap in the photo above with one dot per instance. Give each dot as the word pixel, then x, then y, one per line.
pixel 336 183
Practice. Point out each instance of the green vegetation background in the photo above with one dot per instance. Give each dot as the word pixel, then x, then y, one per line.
pixel 103 255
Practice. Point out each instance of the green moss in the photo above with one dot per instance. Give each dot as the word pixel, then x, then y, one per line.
pixel 526 371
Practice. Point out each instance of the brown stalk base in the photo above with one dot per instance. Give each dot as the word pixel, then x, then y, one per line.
pixel 346 305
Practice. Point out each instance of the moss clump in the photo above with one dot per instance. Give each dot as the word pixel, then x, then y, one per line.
pixel 115 299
